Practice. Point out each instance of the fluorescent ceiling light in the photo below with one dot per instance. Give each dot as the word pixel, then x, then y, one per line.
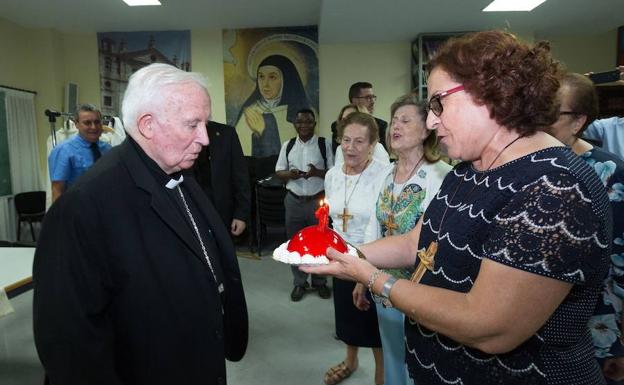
pixel 512 5
pixel 135 3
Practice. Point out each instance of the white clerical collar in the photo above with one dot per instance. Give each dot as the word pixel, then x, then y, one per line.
pixel 174 183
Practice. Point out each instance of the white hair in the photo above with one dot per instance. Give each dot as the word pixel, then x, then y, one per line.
pixel 145 90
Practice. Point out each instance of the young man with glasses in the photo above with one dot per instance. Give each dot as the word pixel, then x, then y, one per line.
pixel 361 94
pixel 73 157
pixel 302 165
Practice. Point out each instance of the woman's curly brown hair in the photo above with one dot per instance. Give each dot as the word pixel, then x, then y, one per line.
pixel 517 82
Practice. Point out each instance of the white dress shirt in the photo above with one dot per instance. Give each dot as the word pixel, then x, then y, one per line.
pixel 357 192
pixel 300 157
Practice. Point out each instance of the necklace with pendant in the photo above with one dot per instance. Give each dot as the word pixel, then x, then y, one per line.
pixel 427 256
pixel 389 223
pixel 345 216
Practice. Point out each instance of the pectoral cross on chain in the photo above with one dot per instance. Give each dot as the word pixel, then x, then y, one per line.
pixel 345 216
pixel 390 224
pixel 427 261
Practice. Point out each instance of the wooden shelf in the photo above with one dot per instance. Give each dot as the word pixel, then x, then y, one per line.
pixel 611 99
pixel 423 48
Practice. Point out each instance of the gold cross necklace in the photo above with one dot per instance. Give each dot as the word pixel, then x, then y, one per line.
pixel 427 257
pixel 345 216
pixel 389 222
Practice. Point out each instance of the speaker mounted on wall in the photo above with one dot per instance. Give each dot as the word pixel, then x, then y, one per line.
pixel 71 97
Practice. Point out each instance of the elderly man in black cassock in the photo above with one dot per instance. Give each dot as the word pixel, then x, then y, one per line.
pixel 136 278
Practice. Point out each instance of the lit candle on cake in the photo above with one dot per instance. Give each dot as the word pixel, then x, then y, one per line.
pixel 322 214
pixel 308 245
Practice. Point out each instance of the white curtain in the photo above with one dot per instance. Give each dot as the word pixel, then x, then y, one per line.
pixel 23 155
pixel 7 219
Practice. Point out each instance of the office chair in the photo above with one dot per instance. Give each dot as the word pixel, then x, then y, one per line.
pixel 259 168
pixel 30 207
pixel 270 211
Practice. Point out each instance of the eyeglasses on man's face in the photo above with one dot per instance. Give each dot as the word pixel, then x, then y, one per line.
pixel 302 122
pixel 435 103
pixel 369 98
pixel 88 123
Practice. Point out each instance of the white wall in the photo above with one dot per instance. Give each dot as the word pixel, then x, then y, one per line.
pixel 207 58
pixel 583 53
pixel 45 60
pixel 386 66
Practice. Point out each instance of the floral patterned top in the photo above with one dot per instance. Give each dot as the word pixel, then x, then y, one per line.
pixel 546 213
pixel 605 324
pixel 406 202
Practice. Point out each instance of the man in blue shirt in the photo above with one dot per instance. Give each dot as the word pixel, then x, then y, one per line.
pixel 610 132
pixel 73 157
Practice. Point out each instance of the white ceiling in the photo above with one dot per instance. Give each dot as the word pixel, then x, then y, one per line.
pixel 339 21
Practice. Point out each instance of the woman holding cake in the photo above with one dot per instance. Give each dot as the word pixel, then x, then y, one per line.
pixel 348 190
pixel 407 187
pixel 511 253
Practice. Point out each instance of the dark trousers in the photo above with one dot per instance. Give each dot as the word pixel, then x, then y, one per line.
pixel 300 214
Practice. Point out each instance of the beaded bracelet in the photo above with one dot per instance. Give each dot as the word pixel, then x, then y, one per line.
pixel 372 279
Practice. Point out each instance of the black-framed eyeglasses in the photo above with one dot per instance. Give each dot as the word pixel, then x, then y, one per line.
pixel 568 113
pixel 300 122
pixel 367 97
pixel 435 103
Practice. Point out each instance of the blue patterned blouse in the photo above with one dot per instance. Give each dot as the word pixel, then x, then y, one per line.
pixel 605 324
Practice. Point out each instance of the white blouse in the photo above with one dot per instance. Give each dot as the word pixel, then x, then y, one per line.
pixel 340 187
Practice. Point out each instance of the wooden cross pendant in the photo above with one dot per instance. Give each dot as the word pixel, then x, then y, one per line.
pixel 390 224
pixel 345 216
pixel 427 261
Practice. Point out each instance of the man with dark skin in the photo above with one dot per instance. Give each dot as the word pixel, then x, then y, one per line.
pixel 304 125
pixel 302 167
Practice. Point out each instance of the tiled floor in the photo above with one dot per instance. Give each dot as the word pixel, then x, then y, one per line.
pixel 19 364
pixel 290 343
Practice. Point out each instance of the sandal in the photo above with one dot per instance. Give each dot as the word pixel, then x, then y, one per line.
pixel 337 373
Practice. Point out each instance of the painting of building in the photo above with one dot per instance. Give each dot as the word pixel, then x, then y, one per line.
pixel 123 53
